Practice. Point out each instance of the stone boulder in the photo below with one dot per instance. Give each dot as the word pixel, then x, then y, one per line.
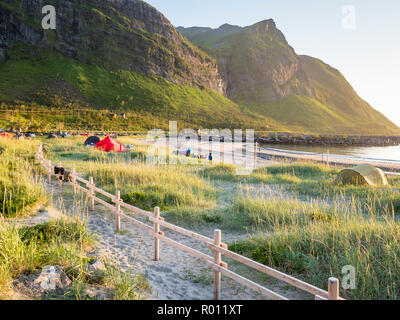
pixel 50 281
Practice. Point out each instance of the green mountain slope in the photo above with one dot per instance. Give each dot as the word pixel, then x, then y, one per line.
pixel 51 80
pixel 263 72
pixel 335 92
pixel 110 55
pixel 124 56
pixel 127 34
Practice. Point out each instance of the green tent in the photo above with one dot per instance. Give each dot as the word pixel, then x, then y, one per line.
pixel 364 174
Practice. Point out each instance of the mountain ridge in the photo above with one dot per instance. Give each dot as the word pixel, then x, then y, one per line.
pixel 263 72
pixel 143 38
pixel 125 55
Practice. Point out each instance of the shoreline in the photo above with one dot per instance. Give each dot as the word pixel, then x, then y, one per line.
pixel 329 140
pixel 328 159
pixel 272 138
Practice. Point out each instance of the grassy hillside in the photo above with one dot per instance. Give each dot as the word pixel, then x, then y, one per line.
pixel 304 114
pixel 106 56
pixel 263 73
pixel 337 94
pixel 47 79
pixel 129 35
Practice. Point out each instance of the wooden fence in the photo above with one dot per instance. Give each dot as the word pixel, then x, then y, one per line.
pixel 217 247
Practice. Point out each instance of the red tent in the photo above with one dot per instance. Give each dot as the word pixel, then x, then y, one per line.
pixel 109 144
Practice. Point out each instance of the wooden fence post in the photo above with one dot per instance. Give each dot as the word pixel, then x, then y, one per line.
pixel 118 210
pixel 49 172
pixel 156 231
pixel 74 181
pixel 333 289
pixel 217 261
pixel 59 176
pixel 91 194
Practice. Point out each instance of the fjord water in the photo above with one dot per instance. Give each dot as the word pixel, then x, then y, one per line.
pixel 384 153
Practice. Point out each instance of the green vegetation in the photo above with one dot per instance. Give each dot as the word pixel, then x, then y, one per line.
pixel 66 243
pixel 314 239
pixel 27 250
pixel 175 189
pixel 300 93
pixel 288 216
pixel 20 188
pixel 63 242
pixel 123 63
pixel 83 96
pixel 256 212
pixel 320 250
pixel 302 114
pixel 315 181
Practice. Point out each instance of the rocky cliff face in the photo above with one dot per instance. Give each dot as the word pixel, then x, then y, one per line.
pixel 116 34
pixel 262 71
pixel 115 54
pixel 256 62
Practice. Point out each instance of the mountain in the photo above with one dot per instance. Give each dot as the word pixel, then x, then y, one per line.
pixel 113 56
pixel 127 34
pixel 264 73
pixel 107 55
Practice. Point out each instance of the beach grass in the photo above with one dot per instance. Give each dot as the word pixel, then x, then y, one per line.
pixel 63 242
pixel 20 187
pixel 291 216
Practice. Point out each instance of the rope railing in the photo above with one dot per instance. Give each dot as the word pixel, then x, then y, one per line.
pixel 218 249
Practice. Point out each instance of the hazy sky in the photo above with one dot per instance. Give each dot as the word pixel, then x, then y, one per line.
pixel 367 51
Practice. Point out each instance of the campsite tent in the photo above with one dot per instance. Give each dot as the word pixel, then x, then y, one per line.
pixel 364 174
pixel 6 135
pixel 109 145
pixel 92 140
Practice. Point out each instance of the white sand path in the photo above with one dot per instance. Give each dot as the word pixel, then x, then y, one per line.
pixel 178 275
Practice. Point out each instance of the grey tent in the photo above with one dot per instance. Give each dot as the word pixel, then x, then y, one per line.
pixel 92 140
pixel 364 174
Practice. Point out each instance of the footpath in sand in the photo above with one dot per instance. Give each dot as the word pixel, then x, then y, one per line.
pixel 178 275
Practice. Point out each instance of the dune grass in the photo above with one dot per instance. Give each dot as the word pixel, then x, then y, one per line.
pixel 314 180
pixel 20 187
pixel 317 251
pixel 142 184
pixel 64 242
pixel 256 212
pixel 315 238
pixel 295 218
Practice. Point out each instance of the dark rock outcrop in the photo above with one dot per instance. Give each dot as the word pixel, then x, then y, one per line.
pixel 262 71
pixel 256 62
pixel 116 34
pixel 329 140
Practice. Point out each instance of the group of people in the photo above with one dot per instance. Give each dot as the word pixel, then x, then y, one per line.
pixel 15 134
pixel 189 152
